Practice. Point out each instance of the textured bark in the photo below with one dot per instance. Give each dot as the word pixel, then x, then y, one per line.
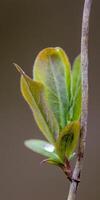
pixel 84 74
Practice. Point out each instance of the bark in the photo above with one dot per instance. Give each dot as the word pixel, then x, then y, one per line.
pixel 84 75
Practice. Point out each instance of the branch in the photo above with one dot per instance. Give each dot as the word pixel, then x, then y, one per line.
pixel 84 74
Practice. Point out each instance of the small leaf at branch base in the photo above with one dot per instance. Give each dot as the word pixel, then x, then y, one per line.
pixel 44 148
pixel 68 140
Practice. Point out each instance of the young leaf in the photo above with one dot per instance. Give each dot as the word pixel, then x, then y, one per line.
pixel 33 93
pixel 77 105
pixel 76 89
pixel 68 140
pixel 44 148
pixel 52 68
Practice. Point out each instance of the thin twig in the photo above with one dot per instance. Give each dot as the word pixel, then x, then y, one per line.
pixel 84 74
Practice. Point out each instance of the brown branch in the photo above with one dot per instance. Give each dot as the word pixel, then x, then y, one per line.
pixel 84 74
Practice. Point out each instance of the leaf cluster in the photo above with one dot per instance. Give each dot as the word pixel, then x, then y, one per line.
pixel 54 96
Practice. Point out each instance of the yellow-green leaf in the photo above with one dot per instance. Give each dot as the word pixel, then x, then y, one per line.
pixel 33 93
pixel 68 140
pixel 52 68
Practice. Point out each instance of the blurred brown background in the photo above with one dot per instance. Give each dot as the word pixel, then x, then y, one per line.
pixel 26 27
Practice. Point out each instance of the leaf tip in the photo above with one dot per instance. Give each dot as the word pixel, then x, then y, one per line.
pixel 27 143
pixel 19 69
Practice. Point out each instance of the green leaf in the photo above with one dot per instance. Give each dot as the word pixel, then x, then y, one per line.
pixel 77 107
pixel 44 148
pixel 52 68
pixel 76 90
pixel 54 162
pixel 68 140
pixel 33 93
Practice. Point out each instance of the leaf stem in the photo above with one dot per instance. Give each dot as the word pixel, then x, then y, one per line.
pixel 84 75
